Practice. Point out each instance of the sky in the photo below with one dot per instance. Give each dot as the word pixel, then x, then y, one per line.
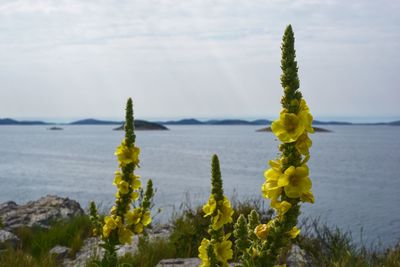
pixel 196 58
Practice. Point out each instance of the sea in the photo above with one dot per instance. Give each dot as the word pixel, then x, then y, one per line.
pixel 355 170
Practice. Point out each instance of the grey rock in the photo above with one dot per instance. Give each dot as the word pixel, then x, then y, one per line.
pixel 8 239
pixel 297 257
pixel 189 262
pixel 60 252
pixel 41 212
pixel 91 247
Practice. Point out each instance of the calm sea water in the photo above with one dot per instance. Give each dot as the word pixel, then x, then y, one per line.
pixel 355 169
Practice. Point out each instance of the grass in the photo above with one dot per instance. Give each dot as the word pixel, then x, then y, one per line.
pixel 35 243
pixel 328 246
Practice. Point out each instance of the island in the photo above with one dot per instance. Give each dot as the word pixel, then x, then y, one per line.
pixel 55 128
pixel 141 125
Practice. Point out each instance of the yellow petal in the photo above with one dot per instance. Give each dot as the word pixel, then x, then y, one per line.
pixel 294 232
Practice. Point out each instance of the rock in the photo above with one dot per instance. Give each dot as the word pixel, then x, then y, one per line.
pixel 8 239
pixel 297 257
pixel 89 249
pixel 91 246
pixel 60 252
pixel 189 262
pixel 41 212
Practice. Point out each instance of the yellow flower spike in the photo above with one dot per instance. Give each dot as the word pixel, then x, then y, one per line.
pixel 124 235
pixel 123 187
pixel 294 232
pixel 210 206
pixel 262 231
pixel 203 255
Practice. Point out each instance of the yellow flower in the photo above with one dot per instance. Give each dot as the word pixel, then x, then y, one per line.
pixel 134 195
pixel 138 228
pixel 270 188
pixel 203 255
pixel 127 155
pixel 281 206
pixel 294 232
pixel 124 235
pixel 303 144
pixel 290 126
pixel 304 113
pixel 223 251
pixel 224 215
pixel 262 231
pixel 295 181
pixel 118 178
pixel 136 183
pixel 146 218
pixel 113 210
pixel 307 197
pixel 133 217
pixel 110 223
pixel 210 206
pixel 123 187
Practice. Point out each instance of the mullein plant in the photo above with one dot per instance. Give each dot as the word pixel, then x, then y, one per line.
pixel 216 251
pixel 126 218
pixel 287 181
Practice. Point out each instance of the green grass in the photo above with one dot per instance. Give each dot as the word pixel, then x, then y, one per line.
pixel 331 247
pixel 35 243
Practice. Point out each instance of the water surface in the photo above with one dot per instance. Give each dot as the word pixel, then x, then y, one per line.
pixel 355 169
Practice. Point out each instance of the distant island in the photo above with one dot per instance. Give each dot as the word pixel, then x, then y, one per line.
pixel 144 125
pixel 316 129
pixel 156 125
pixel 95 122
pixel 8 121
pixel 215 122
pixel 139 124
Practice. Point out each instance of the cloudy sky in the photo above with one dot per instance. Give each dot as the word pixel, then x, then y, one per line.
pixel 196 58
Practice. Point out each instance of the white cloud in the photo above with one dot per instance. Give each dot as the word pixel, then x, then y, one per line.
pixel 183 50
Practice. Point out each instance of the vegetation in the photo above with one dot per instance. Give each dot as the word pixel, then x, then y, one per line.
pixel 35 243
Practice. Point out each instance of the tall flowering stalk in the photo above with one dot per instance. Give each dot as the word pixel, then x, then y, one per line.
pixel 217 250
pixel 125 219
pixel 287 180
